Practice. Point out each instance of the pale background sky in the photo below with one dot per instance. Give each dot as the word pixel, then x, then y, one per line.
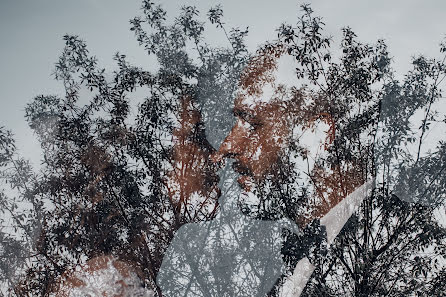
pixel 31 37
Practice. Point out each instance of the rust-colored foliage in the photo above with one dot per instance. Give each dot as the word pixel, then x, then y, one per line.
pixel 191 183
pixel 259 70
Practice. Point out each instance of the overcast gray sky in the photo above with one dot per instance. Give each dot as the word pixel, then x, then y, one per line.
pixel 31 37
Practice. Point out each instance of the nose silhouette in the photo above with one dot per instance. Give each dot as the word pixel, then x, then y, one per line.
pixel 233 144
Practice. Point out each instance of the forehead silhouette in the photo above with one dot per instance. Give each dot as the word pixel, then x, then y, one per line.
pixel 267 77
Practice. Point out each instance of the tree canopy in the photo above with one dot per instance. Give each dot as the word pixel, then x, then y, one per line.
pixel 102 187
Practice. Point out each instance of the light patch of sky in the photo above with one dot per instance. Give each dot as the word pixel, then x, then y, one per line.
pixel 433 135
pixel 311 140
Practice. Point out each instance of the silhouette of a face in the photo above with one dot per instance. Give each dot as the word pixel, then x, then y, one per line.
pixel 266 112
pixel 262 127
pixel 256 139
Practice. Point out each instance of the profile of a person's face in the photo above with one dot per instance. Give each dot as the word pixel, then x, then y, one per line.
pixel 256 139
pixel 267 113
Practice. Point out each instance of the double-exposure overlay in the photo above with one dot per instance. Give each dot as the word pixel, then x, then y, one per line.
pixel 295 170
